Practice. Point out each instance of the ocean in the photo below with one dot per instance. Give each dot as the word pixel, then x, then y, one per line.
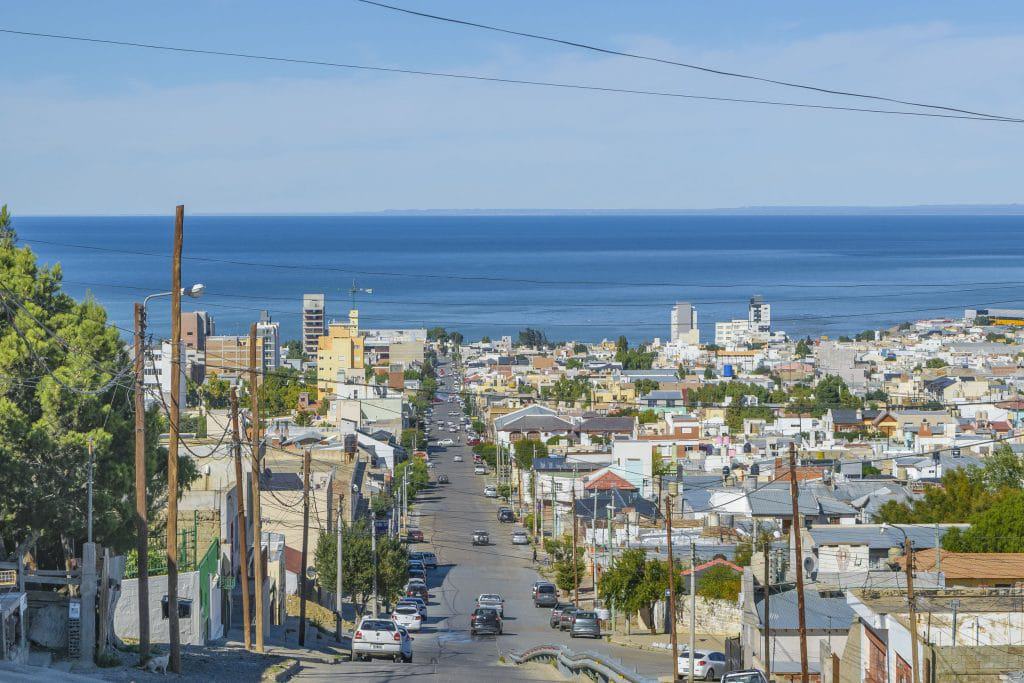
pixel 579 277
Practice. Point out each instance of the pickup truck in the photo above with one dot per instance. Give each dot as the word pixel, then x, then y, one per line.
pixel 481 537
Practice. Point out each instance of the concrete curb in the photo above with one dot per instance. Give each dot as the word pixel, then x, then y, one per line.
pixel 281 672
pixel 638 646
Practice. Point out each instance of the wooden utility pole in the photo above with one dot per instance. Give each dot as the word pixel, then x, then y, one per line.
pixel 257 522
pixel 339 603
pixel 693 607
pixel 767 618
pixel 304 579
pixel 172 446
pixel 243 545
pixel 141 514
pixel 671 589
pixel 909 551
pixel 794 493
pixel 575 568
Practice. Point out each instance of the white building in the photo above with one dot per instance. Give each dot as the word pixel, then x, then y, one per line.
pixel 314 323
pixel 157 374
pixel 270 333
pixel 683 324
pixel 757 328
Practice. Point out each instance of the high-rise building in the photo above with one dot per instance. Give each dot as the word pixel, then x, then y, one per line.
pixel 229 355
pixel 683 324
pixel 759 314
pixel 314 323
pixel 196 326
pixel 269 333
pixel 340 354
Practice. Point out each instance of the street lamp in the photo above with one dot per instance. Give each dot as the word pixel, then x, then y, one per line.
pixel 141 522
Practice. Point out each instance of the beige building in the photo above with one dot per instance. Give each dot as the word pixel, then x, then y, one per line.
pixel 229 355
pixel 340 354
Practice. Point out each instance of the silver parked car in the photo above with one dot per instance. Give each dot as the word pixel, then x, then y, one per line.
pixel 585 624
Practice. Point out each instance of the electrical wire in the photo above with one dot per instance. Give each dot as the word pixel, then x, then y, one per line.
pixel 670 62
pixel 503 81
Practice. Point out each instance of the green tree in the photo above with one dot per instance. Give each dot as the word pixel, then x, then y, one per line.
pixel 719 583
pixel 567 575
pixel 635 583
pixel 64 374
pixel 216 392
pixel 579 349
pixel 528 449
pixel 645 386
pixel 709 372
pixel 802 349
pixel 293 349
pixel 1004 469
pixel 573 364
pixel 744 552
pixel 356 556
pixel 999 529
pixel 413 439
pixel 485 339
pixel 392 568
pixel 936 363
pixel 532 338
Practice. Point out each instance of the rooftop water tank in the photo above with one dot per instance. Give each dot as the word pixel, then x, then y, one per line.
pixel 727 370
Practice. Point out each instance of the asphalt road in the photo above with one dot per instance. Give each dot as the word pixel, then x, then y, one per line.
pixel 444 648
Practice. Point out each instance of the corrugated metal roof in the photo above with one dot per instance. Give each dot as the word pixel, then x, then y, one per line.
pixel 820 613
pixel 876 536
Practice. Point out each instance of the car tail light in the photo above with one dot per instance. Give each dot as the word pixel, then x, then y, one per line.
pixel 398 636
pixel 419 617
pixel 359 635
pixel 701 663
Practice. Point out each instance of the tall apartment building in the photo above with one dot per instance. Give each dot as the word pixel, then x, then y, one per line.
pixel 269 333
pixel 759 314
pixel 229 355
pixel 314 323
pixel 157 374
pixel 340 354
pixel 196 326
pixel 683 324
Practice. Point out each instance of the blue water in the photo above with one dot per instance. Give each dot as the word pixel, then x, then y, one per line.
pixel 575 277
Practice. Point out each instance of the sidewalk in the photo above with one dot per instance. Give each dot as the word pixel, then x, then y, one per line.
pixel 661 642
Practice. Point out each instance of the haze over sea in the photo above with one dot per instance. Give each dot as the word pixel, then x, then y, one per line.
pixel 583 277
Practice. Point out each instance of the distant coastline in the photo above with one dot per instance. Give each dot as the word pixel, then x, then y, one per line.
pixel 794 210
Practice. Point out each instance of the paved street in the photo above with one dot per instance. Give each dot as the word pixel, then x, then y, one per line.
pixel 448 514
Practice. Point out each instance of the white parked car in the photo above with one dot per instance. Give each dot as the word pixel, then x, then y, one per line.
pixel 491 491
pixel 445 442
pixel 408 616
pixel 457 458
pixel 706 664
pixel 479 469
pixel 520 538
pixel 376 637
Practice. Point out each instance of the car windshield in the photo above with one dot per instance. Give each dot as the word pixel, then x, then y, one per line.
pixel 490 598
pixel 546 589
pixel 406 610
pixel 745 678
pixel 377 625
pixel 586 615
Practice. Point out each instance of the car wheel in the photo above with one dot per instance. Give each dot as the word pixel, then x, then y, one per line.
pixel 571 634
pixel 398 658
pixel 710 675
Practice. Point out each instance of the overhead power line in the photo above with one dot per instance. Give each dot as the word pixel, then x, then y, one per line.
pixel 686 65
pixel 505 81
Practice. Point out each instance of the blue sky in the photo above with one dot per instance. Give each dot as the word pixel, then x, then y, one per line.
pixel 95 129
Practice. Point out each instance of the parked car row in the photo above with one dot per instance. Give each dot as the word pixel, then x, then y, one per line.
pixel 569 618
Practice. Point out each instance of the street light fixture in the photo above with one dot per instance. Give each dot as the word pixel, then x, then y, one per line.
pixel 141 521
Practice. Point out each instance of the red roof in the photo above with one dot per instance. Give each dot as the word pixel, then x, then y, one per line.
pixel 293 560
pixel 712 563
pixel 608 481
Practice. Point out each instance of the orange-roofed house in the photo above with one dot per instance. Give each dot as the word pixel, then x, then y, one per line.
pixel 608 481
pixel 991 570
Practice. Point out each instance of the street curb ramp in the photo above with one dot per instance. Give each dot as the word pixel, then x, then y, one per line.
pixel 593 665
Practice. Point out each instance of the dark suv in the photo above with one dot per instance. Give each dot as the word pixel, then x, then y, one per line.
pixel 506 515
pixel 546 596
pixel 485 620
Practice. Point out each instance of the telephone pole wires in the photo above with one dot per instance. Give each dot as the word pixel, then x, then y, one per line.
pixel 243 543
pixel 304 579
pixel 767 618
pixel 141 523
pixel 172 446
pixel 794 493
pixel 257 522
pixel 671 590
